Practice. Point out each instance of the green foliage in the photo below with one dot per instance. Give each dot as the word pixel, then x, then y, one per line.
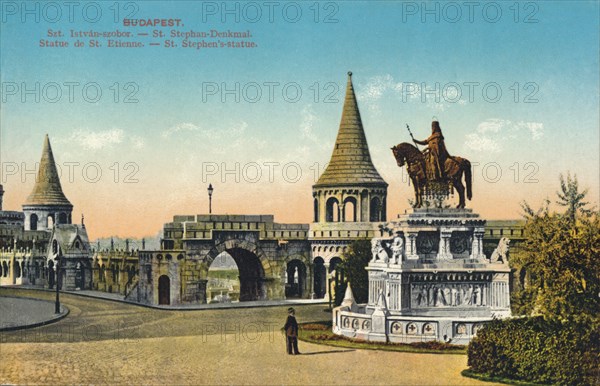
pixel 538 350
pixel 522 301
pixel 571 198
pixel 353 266
pixel 340 291
pixel 561 256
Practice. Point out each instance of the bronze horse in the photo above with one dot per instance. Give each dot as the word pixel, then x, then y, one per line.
pixel 454 167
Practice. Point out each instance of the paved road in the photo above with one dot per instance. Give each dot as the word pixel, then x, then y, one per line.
pixel 19 312
pixel 108 342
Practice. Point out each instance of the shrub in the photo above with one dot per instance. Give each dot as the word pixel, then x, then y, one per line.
pixel 538 350
pixel 315 326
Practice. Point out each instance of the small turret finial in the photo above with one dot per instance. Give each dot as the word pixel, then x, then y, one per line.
pixel 350 73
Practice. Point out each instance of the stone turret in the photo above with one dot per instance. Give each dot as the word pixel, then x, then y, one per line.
pixel 47 204
pixel 350 188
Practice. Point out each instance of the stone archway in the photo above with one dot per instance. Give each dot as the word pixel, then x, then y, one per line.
pixel 255 270
pixel 252 274
pixel 296 275
pixel 320 278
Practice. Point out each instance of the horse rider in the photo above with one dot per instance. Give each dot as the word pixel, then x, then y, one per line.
pixel 435 153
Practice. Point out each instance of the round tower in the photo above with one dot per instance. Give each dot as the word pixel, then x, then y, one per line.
pixel 47 204
pixel 350 189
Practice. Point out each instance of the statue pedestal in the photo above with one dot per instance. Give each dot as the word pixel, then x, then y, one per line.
pixel 429 280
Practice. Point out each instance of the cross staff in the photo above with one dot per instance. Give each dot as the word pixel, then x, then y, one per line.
pixel 413 138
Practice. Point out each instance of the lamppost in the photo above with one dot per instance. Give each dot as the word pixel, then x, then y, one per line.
pixel 56 254
pixel 210 192
pixel 329 283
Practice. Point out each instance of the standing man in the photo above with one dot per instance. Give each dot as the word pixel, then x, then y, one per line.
pixel 291 332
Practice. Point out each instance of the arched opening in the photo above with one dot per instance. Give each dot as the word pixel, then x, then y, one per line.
pixel 295 279
pixel 50 221
pixel 17 269
pixel 350 209
pixel 1 271
pixel 223 280
pixel 164 290
pixel 316 210
pixel 320 278
pixel 62 218
pixel 375 209
pixel 251 274
pixel 33 222
pixel 332 210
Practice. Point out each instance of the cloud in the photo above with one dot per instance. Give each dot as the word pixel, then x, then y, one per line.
pixel 181 127
pixel 371 92
pixel 102 139
pixel 307 123
pixel 137 142
pixel 374 89
pixel 535 128
pixel 492 133
pixel 96 140
pixel 492 125
pixel 435 96
pixel 478 142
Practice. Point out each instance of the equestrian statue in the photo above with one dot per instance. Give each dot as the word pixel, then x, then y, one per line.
pixel 434 172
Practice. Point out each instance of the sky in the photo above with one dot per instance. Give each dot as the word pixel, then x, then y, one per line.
pixel 140 132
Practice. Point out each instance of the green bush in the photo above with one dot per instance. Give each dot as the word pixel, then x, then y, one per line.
pixel 538 350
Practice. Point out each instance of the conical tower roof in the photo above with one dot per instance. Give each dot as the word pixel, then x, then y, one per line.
pixel 350 162
pixel 47 189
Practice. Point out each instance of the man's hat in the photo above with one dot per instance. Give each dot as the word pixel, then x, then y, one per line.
pixel 291 309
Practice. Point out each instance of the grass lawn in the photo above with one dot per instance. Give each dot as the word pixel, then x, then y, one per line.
pixel 320 333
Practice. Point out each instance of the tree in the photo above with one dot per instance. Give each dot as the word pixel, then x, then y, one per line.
pixel 571 198
pixel 355 261
pixel 561 254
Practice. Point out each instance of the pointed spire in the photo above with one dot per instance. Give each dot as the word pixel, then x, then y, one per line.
pixel 47 189
pixel 351 161
pixel 349 299
pixel 348 296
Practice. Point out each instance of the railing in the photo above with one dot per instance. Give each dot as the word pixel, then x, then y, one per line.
pixel 134 284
